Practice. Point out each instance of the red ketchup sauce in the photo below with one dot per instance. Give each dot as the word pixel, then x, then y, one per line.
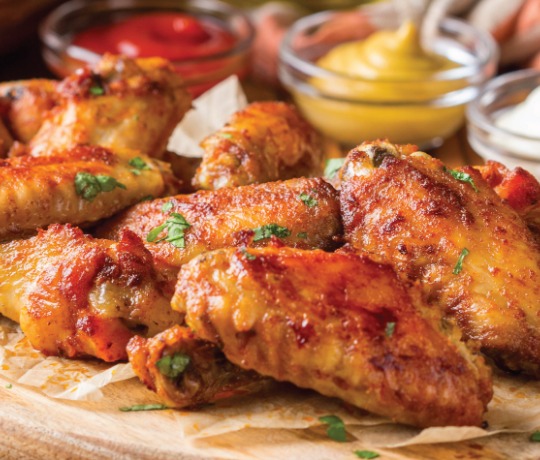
pixel 174 36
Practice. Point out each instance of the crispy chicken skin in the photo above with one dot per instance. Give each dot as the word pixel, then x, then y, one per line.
pixel 121 103
pixel 267 141
pixel 337 323
pixel 471 253
pixel 228 217
pixel 207 377
pixel 77 296
pixel 35 192
pixel 24 105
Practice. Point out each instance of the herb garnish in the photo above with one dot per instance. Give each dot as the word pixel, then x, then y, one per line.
pixel 9 386
pixel 333 165
pixel 141 407
pixel 459 264
pixel 366 454
pixel 390 328
pixel 302 235
pixel 96 91
pixel 226 135
pixel 167 206
pixel 138 164
pixel 308 200
pixel 248 255
pixel 89 186
pixel 266 231
pixel 336 427
pixel 535 437
pixel 173 366
pixel 462 176
pixel 175 225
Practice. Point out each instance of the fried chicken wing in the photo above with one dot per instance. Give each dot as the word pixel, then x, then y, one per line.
pixel 77 296
pixel 121 103
pixel 337 323
pixel 302 212
pixel 267 141
pixel 471 253
pixel 186 371
pixel 35 192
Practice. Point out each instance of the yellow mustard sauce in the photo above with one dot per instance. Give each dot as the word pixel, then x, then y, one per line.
pixel 389 76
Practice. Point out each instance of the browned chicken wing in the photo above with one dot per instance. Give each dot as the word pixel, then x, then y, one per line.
pixel 267 141
pixel 302 212
pixel 186 371
pixel 448 231
pixel 337 323
pixel 77 296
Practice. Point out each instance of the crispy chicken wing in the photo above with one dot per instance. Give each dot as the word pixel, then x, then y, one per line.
pixel 122 103
pixel 35 192
pixel 302 212
pixel 336 323
pixel 448 231
pixel 77 296
pixel 186 371
pixel 267 141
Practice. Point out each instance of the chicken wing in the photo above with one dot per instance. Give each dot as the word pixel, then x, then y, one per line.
pixel 82 185
pixel 186 371
pixel 336 323
pixel 77 296
pixel 122 103
pixel 448 231
pixel 301 212
pixel 267 141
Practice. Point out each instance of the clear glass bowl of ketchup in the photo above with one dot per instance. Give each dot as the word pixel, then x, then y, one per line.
pixel 206 40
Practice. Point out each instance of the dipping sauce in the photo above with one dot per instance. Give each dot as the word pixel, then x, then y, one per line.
pixel 524 118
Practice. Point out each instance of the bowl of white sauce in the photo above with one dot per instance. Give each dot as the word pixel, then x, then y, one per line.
pixel 503 122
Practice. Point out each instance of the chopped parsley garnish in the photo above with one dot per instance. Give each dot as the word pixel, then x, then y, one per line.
pixel 9 386
pixel 248 255
pixel 138 165
pixel 366 454
pixel 167 206
pixel 333 165
pixel 459 264
pixel 266 231
pixel 146 198
pixel 175 225
pixel 141 407
pixel 173 366
pixel 96 91
pixel 336 427
pixel 462 176
pixel 535 437
pixel 390 328
pixel 308 200
pixel 302 235
pixel 226 135
pixel 89 186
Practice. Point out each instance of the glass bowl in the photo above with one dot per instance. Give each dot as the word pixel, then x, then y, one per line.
pixel 351 109
pixel 493 142
pixel 59 29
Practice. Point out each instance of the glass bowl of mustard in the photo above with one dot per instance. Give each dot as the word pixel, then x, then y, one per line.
pixel 206 40
pixel 503 121
pixel 383 84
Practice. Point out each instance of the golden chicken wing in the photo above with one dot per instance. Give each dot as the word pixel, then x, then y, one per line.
pixel 448 231
pixel 267 141
pixel 336 323
pixel 77 296
pixel 82 185
pixel 121 103
pixel 300 212
pixel 186 371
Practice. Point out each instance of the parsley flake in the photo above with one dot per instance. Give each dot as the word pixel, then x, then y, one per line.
pixel 173 366
pixel 248 255
pixel 226 135
pixel 89 186
pixel 336 427
pixel 366 454
pixel 96 91
pixel 175 225
pixel 141 407
pixel 462 176
pixel 308 200
pixel 9 386
pixel 138 164
pixel 167 206
pixel 333 165
pixel 302 235
pixel 390 328
pixel 266 231
pixel 459 264
pixel 146 198
pixel 535 437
